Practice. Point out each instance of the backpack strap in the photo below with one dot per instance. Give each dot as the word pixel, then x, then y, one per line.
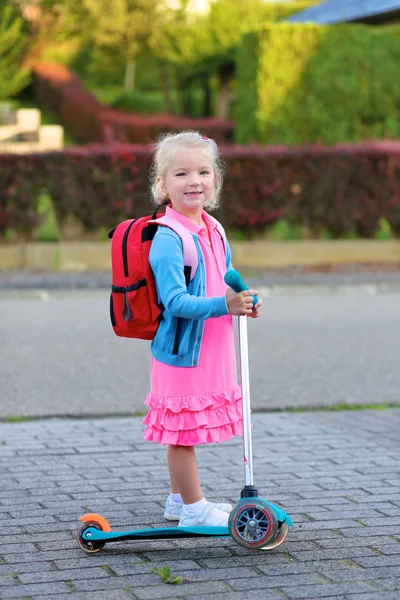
pixel 190 256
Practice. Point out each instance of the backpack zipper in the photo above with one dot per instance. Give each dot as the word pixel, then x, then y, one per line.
pixel 175 349
pixel 187 271
pixel 124 248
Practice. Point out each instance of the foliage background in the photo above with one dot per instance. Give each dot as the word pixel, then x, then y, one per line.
pixel 285 92
pixel 306 83
pixel 13 45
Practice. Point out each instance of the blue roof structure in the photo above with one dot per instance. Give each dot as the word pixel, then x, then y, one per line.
pixel 342 11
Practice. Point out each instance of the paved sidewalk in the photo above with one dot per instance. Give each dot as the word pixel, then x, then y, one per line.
pixel 337 474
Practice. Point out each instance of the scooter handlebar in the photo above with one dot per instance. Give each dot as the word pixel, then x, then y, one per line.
pixel 235 281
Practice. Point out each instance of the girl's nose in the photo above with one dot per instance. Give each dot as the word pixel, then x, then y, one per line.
pixel 194 180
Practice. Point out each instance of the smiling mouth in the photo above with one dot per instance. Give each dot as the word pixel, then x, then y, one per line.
pixel 193 193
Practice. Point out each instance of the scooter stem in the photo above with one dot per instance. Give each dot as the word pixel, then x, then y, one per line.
pixel 245 384
pixel 234 280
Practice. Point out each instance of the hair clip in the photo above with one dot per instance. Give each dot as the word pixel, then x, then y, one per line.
pixel 206 139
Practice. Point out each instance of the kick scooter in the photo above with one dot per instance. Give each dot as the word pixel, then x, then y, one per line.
pixel 254 522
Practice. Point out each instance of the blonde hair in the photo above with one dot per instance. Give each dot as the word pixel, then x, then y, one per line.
pixel 165 150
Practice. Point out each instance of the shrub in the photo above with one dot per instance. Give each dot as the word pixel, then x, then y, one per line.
pixel 20 186
pixel 128 128
pixel 327 191
pixel 212 37
pixel 304 83
pixel 145 103
pixel 48 231
pixel 60 91
pixel 205 47
pixel 384 231
pixel 98 185
pixel 90 121
pixel 13 45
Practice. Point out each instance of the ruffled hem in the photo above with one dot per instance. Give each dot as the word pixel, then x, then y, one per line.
pixel 178 404
pixel 193 437
pixel 187 420
pixel 193 420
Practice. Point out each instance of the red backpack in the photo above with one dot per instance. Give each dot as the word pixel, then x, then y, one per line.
pixel 134 308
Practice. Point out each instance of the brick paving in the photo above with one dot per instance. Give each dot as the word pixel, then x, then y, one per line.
pixel 336 473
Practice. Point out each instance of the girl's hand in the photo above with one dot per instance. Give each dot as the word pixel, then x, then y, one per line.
pixel 241 303
pixel 255 313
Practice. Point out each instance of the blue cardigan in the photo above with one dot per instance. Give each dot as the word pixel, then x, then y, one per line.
pixel 180 333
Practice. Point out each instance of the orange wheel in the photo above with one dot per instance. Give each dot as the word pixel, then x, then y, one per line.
pixel 92 517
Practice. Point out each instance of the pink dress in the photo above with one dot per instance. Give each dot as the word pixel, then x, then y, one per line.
pixel 202 404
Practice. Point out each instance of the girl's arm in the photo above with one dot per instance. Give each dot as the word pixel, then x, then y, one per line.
pixel 228 255
pixel 166 260
pixel 255 313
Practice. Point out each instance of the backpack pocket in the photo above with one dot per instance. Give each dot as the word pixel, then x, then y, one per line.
pixel 130 311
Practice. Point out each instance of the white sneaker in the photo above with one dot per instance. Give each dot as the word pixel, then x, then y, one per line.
pixel 173 509
pixel 209 516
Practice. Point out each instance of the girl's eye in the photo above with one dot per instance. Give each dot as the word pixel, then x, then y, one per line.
pixel 201 173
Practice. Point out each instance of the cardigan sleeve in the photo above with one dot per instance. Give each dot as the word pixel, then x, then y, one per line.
pixel 166 260
pixel 228 255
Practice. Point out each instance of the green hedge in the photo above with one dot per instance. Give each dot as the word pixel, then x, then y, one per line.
pixel 209 40
pixel 145 103
pixel 310 83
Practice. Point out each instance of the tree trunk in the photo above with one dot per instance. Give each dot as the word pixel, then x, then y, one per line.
pixel 186 91
pixel 166 87
pixel 224 93
pixel 207 108
pixel 130 70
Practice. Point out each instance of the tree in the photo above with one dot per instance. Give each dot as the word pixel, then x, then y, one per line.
pixel 115 33
pixel 13 45
pixel 206 45
pixel 118 31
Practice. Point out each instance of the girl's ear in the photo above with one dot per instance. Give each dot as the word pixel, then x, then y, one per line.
pixel 161 183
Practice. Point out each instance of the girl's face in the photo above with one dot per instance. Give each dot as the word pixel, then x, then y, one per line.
pixel 189 182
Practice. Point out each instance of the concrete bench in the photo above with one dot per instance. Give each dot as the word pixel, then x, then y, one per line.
pixel 22 132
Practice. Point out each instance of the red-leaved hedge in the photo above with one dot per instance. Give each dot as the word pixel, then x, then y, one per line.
pixel 62 92
pixel 134 129
pixel 336 189
pixel 342 188
pixel 90 121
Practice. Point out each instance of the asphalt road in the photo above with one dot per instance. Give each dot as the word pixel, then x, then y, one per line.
pixel 311 347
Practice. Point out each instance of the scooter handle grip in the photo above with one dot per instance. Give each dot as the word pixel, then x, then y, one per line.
pixel 235 281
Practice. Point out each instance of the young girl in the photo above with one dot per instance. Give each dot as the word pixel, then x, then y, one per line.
pixel 194 397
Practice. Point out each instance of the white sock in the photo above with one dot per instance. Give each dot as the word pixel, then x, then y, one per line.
pixel 196 507
pixel 176 498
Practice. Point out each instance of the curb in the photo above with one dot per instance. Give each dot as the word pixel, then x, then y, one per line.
pixel 80 257
pixel 45 293
pixel 339 289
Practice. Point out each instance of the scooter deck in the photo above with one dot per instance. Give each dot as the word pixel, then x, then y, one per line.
pixel 92 534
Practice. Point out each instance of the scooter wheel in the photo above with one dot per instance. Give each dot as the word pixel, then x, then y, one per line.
pixel 253 524
pixel 280 537
pixel 87 545
pixel 98 522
